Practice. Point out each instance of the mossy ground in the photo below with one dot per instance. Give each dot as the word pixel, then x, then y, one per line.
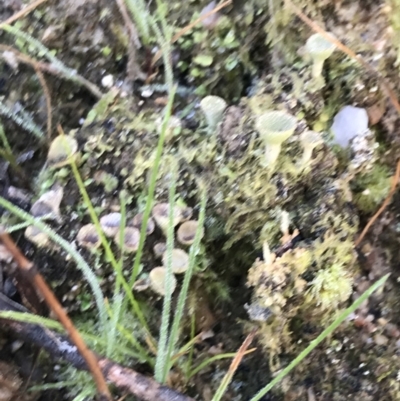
pixel 252 59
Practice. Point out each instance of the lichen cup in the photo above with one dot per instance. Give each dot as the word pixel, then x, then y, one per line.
pixel 319 49
pixel 213 108
pixel 274 127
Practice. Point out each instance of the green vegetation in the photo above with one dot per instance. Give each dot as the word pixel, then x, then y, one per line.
pixel 254 185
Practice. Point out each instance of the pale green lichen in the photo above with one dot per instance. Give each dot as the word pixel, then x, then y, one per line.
pixel 330 287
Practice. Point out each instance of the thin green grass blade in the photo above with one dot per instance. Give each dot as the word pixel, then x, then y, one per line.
pixel 152 187
pixel 194 250
pixel 120 279
pixel 23 121
pixel 112 335
pixel 208 361
pixel 140 15
pixel 313 344
pixel 161 360
pixel 27 317
pixel 80 262
pixel 190 346
pixel 4 139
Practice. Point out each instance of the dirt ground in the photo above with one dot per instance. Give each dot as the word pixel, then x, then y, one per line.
pixel 253 55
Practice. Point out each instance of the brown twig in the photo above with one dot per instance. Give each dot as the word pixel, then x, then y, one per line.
pixel 46 92
pixel 395 182
pixel 237 359
pixel 133 33
pixel 23 12
pixel 58 346
pixel 30 269
pixel 187 28
pixel 133 68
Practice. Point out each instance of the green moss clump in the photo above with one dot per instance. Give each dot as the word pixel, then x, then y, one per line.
pixel 330 287
pixel 372 188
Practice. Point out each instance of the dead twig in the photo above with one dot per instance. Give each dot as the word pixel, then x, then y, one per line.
pixel 30 269
pixel 58 346
pixel 187 28
pixel 395 182
pixel 234 364
pixel 46 92
pixel 23 12
pixel 133 69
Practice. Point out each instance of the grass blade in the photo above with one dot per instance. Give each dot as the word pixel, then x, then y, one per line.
pixel 152 187
pixel 161 360
pixel 313 344
pixel 80 262
pixel 233 367
pixel 174 336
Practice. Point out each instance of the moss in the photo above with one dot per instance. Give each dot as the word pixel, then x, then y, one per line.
pixel 372 188
pixel 330 288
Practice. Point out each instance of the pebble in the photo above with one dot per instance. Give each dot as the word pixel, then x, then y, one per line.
pixel 348 123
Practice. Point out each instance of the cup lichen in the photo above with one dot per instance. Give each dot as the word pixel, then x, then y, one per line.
pixel 309 141
pixel 319 48
pixel 274 127
pixel 213 108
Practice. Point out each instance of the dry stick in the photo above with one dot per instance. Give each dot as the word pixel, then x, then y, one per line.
pixel 134 36
pixel 58 346
pixel 386 88
pixel 48 102
pixel 133 68
pixel 23 12
pixel 30 269
pixel 51 69
pixel 234 365
pixel 187 28
pixel 395 181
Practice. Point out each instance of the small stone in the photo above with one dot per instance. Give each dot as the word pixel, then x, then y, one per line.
pixel 348 123
pixel 107 81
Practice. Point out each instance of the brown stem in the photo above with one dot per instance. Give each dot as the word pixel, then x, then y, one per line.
pixel 23 12
pixel 58 346
pixel 46 92
pixel 58 310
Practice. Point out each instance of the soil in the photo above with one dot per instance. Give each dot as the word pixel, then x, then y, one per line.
pixel 253 56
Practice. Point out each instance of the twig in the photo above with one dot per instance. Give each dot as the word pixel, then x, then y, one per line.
pixel 234 365
pixel 133 33
pixel 30 269
pixel 23 12
pixel 58 346
pixel 46 92
pixel 133 68
pixel 395 181
pixel 187 28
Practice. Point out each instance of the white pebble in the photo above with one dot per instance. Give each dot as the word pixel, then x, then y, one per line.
pixel 348 123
